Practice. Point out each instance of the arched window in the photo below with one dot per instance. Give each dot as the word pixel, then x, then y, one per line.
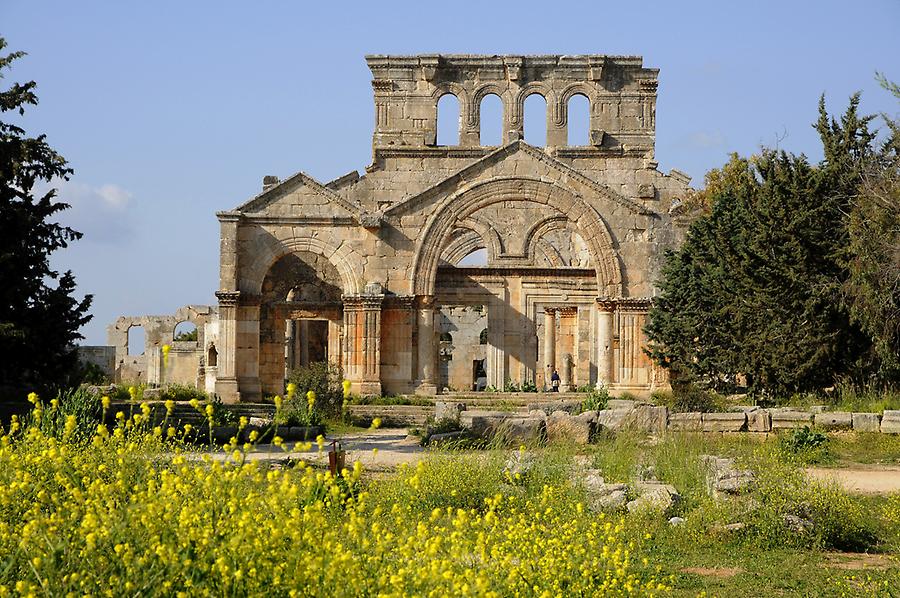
pixel 482 338
pixel 185 332
pixel 535 117
pixel 448 120
pixel 475 258
pixel 579 120
pixel 137 338
pixel 212 357
pixel 446 337
pixel 491 119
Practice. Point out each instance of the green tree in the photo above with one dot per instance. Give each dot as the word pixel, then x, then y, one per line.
pixel 39 317
pixel 873 289
pixel 756 287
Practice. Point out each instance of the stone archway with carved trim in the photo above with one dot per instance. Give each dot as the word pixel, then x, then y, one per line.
pixel 340 255
pixel 458 207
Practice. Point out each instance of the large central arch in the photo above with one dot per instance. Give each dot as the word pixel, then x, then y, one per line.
pixel 461 205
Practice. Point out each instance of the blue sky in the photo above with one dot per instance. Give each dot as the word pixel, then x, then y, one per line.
pixel 170 111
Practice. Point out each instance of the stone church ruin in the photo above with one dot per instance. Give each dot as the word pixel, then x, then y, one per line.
pixel 378 272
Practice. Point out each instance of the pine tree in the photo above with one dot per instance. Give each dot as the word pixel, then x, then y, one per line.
pixel 755 291
pixel 39 320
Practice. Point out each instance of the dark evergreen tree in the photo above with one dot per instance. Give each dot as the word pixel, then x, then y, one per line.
pixel 39 317
pixel 756 288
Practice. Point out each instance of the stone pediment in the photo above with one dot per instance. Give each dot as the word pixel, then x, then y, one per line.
pixel 533 160
pixel 301 196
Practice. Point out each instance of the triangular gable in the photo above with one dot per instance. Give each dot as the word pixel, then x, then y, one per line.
pixel 270 196
pixel 501 154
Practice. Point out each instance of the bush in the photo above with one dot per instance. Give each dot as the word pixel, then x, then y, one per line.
pixel 83 407
pixel 596 399
pixel 324 379
pixel 182 392
pixel 690 398
pixel 804 445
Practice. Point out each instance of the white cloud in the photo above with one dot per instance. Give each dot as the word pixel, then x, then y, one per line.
pixel 102 213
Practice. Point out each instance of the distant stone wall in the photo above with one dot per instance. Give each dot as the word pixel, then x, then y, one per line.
pixel 101 356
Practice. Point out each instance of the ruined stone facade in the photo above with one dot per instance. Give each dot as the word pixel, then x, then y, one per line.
pixel 364 271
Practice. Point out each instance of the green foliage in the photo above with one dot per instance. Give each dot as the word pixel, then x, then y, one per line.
pixel 756 287
pixel 804 445
pixel 325 380
pixel 222 414
pixel 182 392
pixel 91 373
pixel 391 400
pixel 432 427
pixel 84 406
pixel 596 399
pixel 40 317
pixel 190 335
pixel 690 398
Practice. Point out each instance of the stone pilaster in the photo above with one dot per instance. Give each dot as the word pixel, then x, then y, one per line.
pixel 568 323
pixel 362 341
pixel 226 377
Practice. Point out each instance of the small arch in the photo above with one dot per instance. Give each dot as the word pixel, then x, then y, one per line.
pixel 448 121
pixel 476 258
pixel 185 331
pixel 482 337
pixel 535 120
pixel 578 116
pixel 446 337
pixel 137 340
pixel 212 356
pixel 490 118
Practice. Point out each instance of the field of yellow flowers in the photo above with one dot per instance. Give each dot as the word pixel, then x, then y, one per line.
pixel 125 510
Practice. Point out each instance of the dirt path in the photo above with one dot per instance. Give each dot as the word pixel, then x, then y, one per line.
pixel 377 450
pixel 861 479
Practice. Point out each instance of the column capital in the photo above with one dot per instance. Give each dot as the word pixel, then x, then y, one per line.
pixel 425 301
pixel 550 311
pixel 228 298
pixel 568 310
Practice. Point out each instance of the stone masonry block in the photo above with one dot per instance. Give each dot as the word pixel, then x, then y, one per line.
pixel 890 422
pixel 785 420
pixel 685 422
pixel 866 422
pixel 835 420
pixel 759 420
pixel 724 422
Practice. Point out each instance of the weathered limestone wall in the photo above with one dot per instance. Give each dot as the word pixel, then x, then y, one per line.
pixel 578 230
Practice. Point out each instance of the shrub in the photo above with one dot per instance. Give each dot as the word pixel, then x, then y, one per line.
pixel 596 399
pixel 690 398
pixel 182 392
pixel 324 379
pixel 804 445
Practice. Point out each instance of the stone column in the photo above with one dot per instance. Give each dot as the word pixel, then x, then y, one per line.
pixel 426 383
pixel 605 361
pixel 302 327
pixel 549 343
pixel 226 376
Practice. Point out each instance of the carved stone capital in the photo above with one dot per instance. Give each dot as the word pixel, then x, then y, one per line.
pixel 228 298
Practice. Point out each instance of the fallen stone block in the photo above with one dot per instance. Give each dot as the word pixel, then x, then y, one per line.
pixel 648 419
pixel 612 419
pixel 446 410
pixel 759 420
pixel 568 406
pixel 620 404
pixel 653 498
pixel 866 422
pixel 724 422
pixel 834 420
pixel 785 420
pixel 890 422
pixel 562 427
pixel 685 422
pixel 518 466
pixel 436 439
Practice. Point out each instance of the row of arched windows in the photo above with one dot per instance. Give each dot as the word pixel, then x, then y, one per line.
pixel 534 125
